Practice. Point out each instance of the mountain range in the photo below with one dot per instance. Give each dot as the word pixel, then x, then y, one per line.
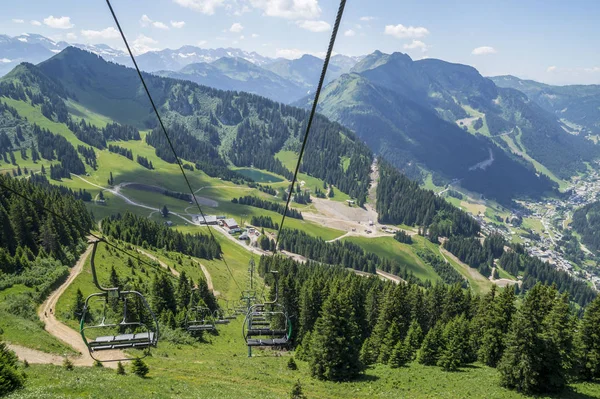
pixel 497 136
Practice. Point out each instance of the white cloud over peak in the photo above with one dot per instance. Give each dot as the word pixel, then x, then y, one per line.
pixel 416 45
pixel 207 7
pixel 294 53
pixel 290 9
pixel 35 23
pixel 142 44
pixel 146 21
pixel 71 36
pixel 177 24
pixel 236 28
pixel 202 43
pixel 104 34
pixel 5 61
pixel 255 35
pixel 551 68
pixel 406 32
pixel 484 50
pixel 367 18
pixel 58 22
pixel 314 26
pixel 18 21
pixel 349 33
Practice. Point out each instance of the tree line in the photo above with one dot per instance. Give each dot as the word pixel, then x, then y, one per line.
pixel 268 205
pixel 145 232
pixel 127 153
pixel 343 323
pixel 586 221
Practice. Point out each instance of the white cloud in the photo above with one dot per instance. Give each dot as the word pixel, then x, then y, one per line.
pixel 71 36
pixel 207 7
pixel 592 69
pixel 255 35
pixel 367 18
pixel 242 37
pixel 416 44
pixel 551 68
pixel 104 34
pixel 349 33
pixel 18 21
pixel 58 22
pixel 406 32
pixel 35 23
pixel 290 9
pixel 177 24
pixel 483 50
pixel 5 61
pixel 314 26
pixel 146 21
pixel 202 43
pixel 236 28
pixel 142 44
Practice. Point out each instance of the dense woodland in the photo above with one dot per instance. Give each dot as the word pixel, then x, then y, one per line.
pixel 586 221
pixel 401 201
pixel 537 346
pixel 145 232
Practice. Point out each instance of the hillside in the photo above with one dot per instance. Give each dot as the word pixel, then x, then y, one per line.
pixel 304 71
pixel 239 75
pixel 586 222
pixel 577 106
pixel 413 111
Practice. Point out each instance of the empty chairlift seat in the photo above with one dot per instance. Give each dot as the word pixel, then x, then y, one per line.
pixel 123 341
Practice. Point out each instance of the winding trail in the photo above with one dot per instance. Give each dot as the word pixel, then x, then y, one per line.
pixel 62 331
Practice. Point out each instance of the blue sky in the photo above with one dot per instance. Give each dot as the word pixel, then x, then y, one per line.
pixel 550 41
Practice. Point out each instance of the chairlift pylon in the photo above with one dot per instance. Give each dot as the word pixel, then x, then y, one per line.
pixel 120 327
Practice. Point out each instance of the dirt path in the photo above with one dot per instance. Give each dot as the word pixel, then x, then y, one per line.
pixel 34 356
pixel 390 277
pixel 62 331
pixel 502 282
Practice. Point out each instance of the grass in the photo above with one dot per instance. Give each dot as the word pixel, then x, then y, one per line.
pixel 25 332
pixel 221 369
pixel 403 254
pixel 79 111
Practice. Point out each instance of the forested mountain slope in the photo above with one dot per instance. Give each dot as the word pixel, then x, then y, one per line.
pixel 586 221
pixel 210 127
pixel 413 111
pixel 578 106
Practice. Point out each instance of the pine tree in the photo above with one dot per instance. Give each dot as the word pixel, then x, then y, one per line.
pixel 120 369
pixel 335 341
pixel 10 378
pixel 400 355
pixel 498 316
pixel 114 278
pixel 43 170
pixel 297 391
pixel 291 364
pixel 532 361
pixel 456 340
pixel 432 346
pixel 78 305
pixel 589 341
pixel 164 211
pixel 139 368
pixel 413 339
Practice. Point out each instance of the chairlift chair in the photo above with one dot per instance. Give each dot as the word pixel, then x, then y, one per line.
pixel 119 328
pixel 267 324
pixel 198 318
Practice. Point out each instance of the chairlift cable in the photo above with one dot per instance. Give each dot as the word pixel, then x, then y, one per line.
pixel 160 121
pixel 334 32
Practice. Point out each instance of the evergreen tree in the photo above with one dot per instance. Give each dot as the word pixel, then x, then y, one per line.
pixel 589 341
pixel 533 360
pixel 400 355
pixel 139 368
pixel 297 391
pixel 335 341
pixel 291 364
pixel 78 305
pixel 413 339
pixel 114 278
pixel 432 346
pixel 456 341
pixel 120 369
pixel 498 316
pixel 10 378
pixel 331 193
pixel 164 211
